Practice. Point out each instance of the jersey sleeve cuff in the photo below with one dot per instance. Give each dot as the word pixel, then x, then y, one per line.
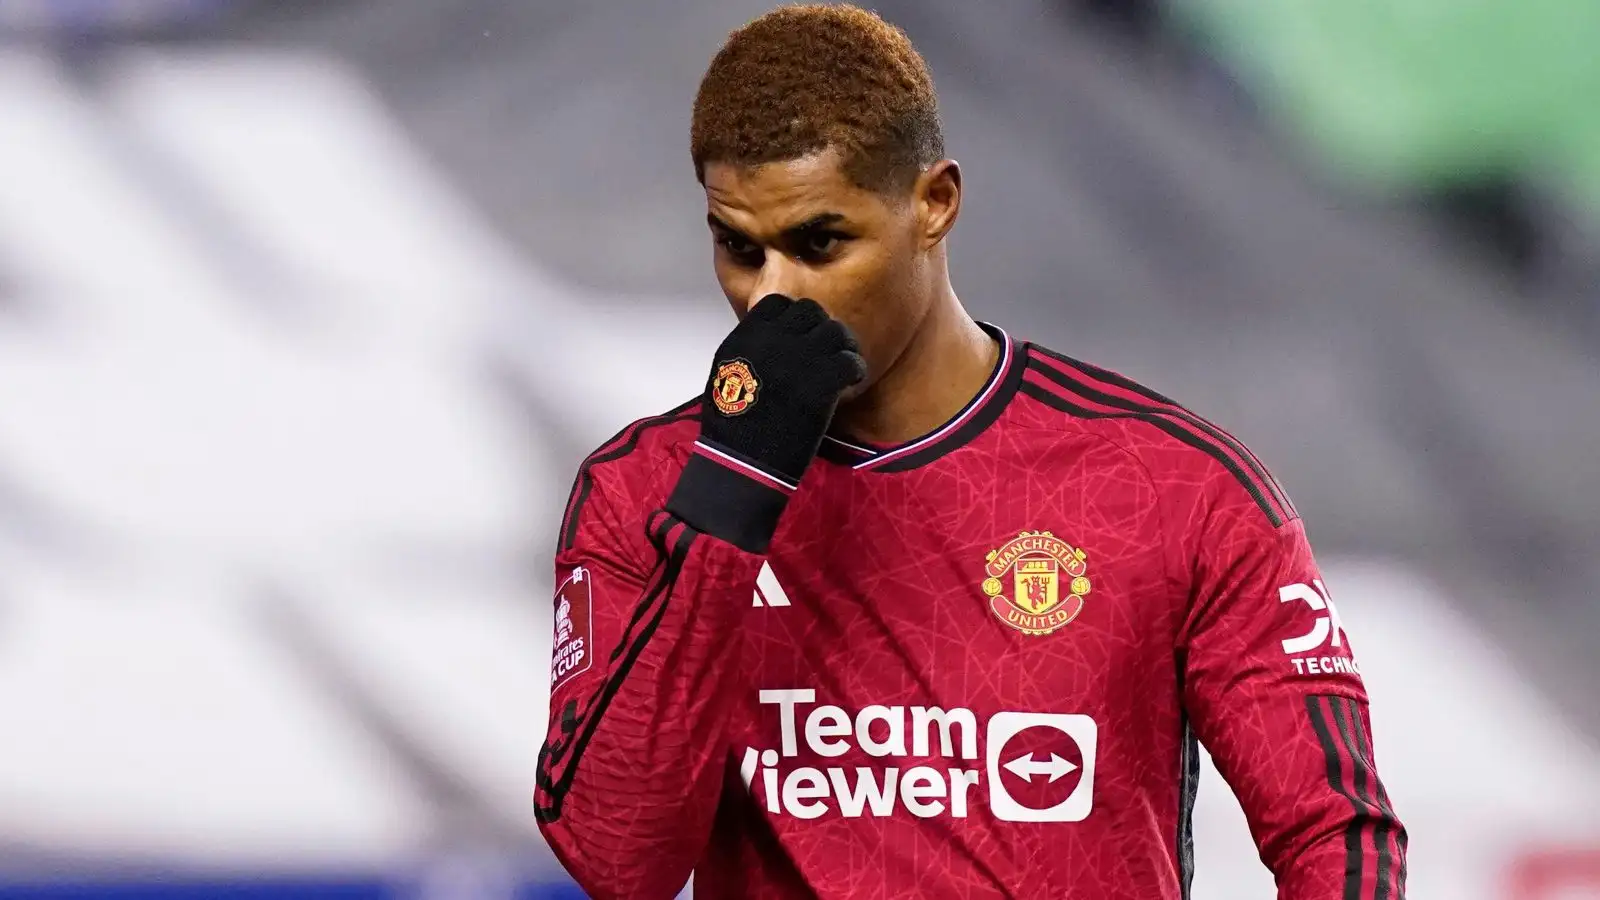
pixel 728 496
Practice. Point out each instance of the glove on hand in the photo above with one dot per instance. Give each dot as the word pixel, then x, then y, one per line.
pixel 773 388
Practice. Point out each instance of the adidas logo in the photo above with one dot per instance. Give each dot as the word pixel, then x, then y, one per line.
pixel 768 591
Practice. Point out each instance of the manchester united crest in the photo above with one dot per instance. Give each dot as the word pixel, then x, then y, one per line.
pixel 1036 582
pixel 733 389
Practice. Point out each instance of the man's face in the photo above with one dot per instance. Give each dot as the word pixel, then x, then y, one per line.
pixel 802 229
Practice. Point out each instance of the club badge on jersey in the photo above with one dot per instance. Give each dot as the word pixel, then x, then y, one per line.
pixel 1033 566
pixel 734 388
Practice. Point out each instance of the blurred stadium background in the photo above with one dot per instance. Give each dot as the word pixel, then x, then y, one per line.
pixel 308 309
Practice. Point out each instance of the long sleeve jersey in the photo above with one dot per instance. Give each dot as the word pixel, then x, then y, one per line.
pixel 972 665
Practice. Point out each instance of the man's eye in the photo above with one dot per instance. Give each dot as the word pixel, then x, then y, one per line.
pixel 737 246
pixel 822 244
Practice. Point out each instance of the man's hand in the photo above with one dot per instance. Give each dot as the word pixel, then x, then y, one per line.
pixel 775 382
pixel 773 388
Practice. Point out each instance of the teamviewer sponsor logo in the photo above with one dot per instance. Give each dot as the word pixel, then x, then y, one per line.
pixel 1038 767
pixel 1076 735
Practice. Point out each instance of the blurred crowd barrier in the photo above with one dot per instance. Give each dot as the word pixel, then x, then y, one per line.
pixel 1480 111
pixel 1417 93
pixel 286 426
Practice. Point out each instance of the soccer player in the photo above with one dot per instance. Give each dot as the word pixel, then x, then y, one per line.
pixel 904 606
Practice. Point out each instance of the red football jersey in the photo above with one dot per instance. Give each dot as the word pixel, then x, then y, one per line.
pixel 974 665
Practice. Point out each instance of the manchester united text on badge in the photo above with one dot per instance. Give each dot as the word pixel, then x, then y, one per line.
pixel 1036 562
pixel 734 388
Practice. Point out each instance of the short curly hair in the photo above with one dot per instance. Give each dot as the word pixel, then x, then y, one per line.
pixel 806 78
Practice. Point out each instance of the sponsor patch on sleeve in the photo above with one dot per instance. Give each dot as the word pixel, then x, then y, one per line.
pixel 572 650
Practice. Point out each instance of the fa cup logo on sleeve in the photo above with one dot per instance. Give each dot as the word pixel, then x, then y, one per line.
pixel 570 651
pixel 1036 582
pixel 563 621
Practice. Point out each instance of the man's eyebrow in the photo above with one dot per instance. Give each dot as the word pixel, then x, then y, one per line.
pixel 714 222
pixel 815 223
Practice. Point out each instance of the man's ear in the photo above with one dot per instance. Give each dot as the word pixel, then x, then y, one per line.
pixel 938 199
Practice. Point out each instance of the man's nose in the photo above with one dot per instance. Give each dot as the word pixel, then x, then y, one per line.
pixel 779 275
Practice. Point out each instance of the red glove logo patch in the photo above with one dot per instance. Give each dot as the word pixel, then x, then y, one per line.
pixel 734 388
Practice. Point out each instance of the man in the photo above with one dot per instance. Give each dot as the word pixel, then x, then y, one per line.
pixel 902 606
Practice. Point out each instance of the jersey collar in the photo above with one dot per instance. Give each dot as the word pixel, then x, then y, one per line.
pixel 965 425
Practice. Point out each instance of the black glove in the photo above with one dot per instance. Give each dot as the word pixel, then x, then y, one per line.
pixel 770 397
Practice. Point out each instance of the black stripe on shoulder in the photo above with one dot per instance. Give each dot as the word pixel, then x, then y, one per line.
pixel 1166 424
pixel 1172 408
pixel 1108 376
pixel 559 757
pixel 621 444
